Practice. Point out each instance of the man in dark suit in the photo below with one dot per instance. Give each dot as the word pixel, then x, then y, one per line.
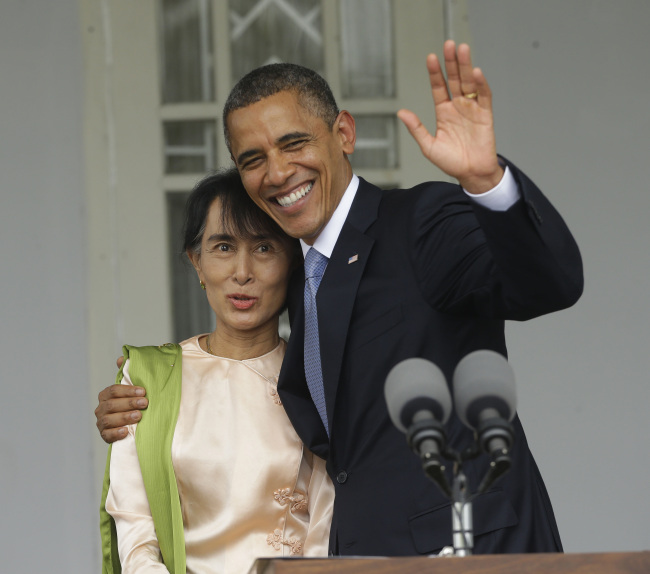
pixel 429 272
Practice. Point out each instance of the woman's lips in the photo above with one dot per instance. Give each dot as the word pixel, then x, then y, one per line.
pixel 242 302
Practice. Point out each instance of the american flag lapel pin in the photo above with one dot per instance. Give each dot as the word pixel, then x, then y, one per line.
pixel 353 259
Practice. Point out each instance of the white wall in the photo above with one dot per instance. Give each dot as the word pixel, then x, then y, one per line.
pixel 569 81
pixel 48 516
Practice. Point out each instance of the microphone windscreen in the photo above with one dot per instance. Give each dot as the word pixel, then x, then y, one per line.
pixel 484 379
pixel 414 385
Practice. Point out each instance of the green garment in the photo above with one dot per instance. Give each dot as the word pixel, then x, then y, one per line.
pixel 157 369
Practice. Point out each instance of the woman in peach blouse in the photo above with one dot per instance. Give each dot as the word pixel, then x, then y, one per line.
pixel 247 486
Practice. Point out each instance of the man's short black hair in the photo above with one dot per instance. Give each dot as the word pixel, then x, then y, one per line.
pixel 313 92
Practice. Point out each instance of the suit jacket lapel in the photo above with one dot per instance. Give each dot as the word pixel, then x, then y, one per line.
pixel 338 289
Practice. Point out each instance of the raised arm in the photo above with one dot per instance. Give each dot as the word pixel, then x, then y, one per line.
pixel 463 145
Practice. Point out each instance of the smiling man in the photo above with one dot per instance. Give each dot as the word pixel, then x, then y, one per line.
pixel 429 272
pixel 293 164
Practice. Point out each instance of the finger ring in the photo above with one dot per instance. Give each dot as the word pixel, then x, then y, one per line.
pixel 471 96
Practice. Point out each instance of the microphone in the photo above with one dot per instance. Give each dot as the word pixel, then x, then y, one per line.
pixel 486 400
pixel 419 404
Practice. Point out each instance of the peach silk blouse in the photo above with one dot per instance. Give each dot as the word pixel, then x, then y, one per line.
pixel 247 485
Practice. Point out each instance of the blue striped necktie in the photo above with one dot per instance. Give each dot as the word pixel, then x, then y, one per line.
pixel 315 264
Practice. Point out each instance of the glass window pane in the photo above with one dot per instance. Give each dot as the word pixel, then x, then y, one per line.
pixel 269 31
pixel 190 146
pixel 186 51
pixel 376 146
pixel 366 49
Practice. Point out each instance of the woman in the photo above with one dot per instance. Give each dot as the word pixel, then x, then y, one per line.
pixel 217 478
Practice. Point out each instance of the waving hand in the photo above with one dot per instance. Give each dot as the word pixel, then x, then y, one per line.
pixel 463 145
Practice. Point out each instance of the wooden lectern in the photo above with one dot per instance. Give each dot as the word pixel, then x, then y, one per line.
pixel 605 563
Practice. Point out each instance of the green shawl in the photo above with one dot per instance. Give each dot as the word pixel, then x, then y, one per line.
pixel 158 370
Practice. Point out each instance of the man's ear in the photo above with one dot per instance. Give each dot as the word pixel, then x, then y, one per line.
pixel 346 131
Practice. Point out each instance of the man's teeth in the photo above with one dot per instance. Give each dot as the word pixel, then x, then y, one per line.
pixel 290 199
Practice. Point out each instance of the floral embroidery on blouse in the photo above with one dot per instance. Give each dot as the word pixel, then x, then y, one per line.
pixel 298 501
pixel 275 539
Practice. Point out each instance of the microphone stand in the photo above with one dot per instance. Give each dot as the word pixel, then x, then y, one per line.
pixel 461 516
pixel 460 494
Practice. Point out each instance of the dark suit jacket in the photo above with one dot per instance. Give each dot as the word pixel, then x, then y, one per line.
pixel 435 277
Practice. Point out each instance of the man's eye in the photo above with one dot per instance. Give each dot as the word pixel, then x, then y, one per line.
pixel 264 248
pixel 251 163
pixel 295 144
pixel 223 247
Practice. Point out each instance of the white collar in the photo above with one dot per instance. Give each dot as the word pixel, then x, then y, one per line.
pixel 328 237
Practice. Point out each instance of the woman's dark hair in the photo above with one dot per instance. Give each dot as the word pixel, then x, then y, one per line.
pixel 239 214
